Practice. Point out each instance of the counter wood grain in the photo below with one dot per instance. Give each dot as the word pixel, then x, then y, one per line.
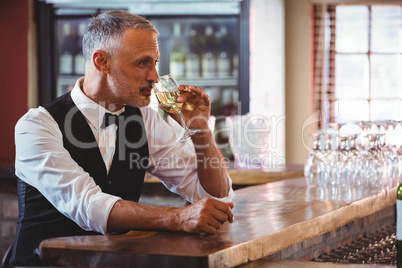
pixel 268 218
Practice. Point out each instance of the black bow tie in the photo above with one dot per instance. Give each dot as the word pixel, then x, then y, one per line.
pixel 109 119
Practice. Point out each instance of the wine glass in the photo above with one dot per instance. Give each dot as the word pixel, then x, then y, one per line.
pixel 365 127
pixel 344 162
pixel 389 151
pixel 397 140
pixel 357 184
pixel 314 166
pixel 374 164
pixel 356 160
pixel 167 92
pixel 330 156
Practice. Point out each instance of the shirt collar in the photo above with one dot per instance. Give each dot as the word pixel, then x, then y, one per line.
pixel 92 111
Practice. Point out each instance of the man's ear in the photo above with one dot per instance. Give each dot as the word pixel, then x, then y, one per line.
pixel 99 59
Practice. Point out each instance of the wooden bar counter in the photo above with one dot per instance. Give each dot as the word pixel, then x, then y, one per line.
pixel 268 219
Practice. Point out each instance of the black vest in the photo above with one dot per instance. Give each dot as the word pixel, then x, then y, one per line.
pixel 38 218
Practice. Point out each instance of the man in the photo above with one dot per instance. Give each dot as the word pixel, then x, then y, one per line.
pixel 80 175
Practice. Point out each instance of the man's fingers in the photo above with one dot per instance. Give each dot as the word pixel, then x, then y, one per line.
pixel 209 229
pixel 231 204
pixel 221 216
pixel 191 92
pixel 195 90
pixel 207 215
pixel 200 92
pixel 215 223
pixel 226 207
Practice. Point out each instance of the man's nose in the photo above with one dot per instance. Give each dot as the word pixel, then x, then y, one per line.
pixel 153 75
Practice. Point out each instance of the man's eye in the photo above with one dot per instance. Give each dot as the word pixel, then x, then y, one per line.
pixel 144 62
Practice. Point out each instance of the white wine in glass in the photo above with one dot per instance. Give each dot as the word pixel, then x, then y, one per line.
pixel 168 101
pixel 167 92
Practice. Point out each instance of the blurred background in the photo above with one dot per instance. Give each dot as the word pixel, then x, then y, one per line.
pixel 300 63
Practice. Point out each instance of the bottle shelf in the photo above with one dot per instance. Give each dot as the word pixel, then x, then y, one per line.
pixel 200 82
pixel 209 82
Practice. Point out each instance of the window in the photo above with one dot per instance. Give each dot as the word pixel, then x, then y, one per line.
pixel 358 62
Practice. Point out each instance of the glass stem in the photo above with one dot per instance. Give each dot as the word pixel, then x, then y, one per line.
pixel 182 120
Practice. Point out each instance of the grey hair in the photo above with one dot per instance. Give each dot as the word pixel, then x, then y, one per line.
pixel 105 31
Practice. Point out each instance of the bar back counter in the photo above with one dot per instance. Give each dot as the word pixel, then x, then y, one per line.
pixel 281 220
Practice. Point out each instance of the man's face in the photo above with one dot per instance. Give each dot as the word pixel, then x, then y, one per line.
pixel 133 69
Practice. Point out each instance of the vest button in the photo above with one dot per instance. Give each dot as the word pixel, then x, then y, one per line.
pixel 109 182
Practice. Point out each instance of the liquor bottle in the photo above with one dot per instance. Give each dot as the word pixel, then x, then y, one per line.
pixel 66 63
pixel 79 62
pixel 193 58
pixel 193 65
pixel 66 58
pixel 229 102
pixel 223 62
pixel 177 55
pixel 399 226
pixel 209 57
pixel 235 70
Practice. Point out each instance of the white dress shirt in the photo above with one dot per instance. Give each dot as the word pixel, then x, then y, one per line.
pixel 43 162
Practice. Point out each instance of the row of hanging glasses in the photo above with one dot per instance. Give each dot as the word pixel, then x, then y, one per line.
pixel 368 159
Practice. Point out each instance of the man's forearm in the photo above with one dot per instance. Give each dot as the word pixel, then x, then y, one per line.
pixel 206 215
pixel 128 215
pixel 211 166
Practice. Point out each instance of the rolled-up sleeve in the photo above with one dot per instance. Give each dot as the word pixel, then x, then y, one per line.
pixel 43 162
pixel 174 162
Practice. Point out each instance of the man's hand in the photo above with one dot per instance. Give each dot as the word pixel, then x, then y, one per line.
pixel 196 106
pixel 206 215
pixel 211 166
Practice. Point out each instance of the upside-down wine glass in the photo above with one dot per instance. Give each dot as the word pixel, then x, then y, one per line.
pixel 167 92
pixel 344 162
pixel 374 164
pixel 336 163
pixel 398 144
pixel 389 150
pixel 331 158
pixel 314 166
pixel 365 127
pixel 356 159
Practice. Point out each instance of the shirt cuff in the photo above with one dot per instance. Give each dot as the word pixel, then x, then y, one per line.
pixel 99 210
pixel 229 198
